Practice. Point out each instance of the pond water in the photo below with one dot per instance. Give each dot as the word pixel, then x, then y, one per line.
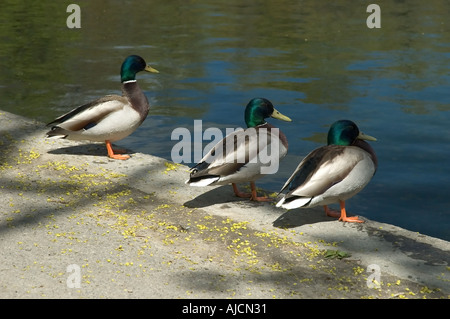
pixel 316 61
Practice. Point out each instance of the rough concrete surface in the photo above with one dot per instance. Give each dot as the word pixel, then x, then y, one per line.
pixel 76 224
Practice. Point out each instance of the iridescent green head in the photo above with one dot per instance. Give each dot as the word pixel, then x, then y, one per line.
pixel 345 132
pixel 132 65
pixel 258 109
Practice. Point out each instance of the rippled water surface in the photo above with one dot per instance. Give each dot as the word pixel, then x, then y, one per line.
pixel 316 61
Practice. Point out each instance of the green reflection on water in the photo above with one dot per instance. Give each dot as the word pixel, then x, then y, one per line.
pixel 308 47
pixel 316 61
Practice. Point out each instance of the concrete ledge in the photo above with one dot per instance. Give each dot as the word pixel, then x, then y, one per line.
pixel 76 224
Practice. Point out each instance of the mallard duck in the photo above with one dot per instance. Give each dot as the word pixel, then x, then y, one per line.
pixel 110 118
pixel 241 160
pixel 333 173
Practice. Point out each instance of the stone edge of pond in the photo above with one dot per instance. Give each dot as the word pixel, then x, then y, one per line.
pixel 396 251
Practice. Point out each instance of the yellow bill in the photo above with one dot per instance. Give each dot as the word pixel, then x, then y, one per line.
pixel 148 68
pixel 363 136
pixel 277 115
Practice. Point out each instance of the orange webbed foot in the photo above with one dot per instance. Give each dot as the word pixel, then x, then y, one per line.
pixel 111 152
pixel 331 212
pixel 260 199
pixel 342 215
pixel 119 157
pixel 353 219
pixel 238 193
pixel 255 196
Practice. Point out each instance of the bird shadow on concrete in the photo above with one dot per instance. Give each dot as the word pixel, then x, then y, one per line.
pixel 218 195
pixel 299 217
pixel 286 219
pixel 92 149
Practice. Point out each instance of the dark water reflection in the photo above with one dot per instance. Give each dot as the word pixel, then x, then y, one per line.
pixel 316 61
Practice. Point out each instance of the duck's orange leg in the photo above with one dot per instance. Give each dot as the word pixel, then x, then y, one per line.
pixel 238 193
pixel 331 212
pixel 255 195
pixel 343 215
pixel 112 154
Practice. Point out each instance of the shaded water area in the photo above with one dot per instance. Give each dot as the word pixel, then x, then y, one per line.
pixel 316 61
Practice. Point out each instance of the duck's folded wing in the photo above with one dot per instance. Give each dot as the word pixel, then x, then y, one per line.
pixel 232 152
pixel 321 169
pixel 222 159
pixel 90 113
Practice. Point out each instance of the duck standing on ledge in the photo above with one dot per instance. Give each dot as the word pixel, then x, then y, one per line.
pixel 242 163
pixel 333 173
pixel 110 118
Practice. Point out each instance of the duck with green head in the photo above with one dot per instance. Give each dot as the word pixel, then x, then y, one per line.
pixel 110 118
pixel 236 158
pixel 333 173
